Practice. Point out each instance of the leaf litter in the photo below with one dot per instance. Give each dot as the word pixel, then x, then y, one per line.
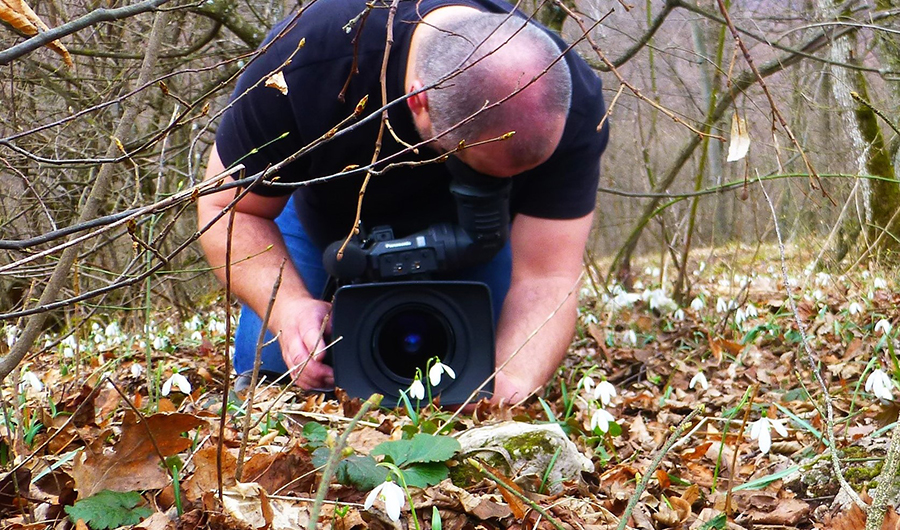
pixel 92 429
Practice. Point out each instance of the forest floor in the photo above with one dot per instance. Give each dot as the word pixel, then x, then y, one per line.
pixel 84 442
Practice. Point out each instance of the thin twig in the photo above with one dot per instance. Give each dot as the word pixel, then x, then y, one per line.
pixel 654 464
pixel 501 483
pixel 814 363
pixel 335 456
pixel 260 342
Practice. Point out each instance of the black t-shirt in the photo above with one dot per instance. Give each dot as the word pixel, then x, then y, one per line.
pixel 408 198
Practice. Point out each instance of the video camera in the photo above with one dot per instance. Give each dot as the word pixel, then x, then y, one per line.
pixel 392 316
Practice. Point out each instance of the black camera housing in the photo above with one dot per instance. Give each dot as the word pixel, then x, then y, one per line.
pixel 378 354
pixel 391 316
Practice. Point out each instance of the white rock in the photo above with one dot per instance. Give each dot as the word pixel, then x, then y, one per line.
pixel 527 450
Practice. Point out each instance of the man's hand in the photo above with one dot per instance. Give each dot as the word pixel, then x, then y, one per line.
pixel 302 344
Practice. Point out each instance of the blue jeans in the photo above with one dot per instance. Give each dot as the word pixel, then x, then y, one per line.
pixel 307 259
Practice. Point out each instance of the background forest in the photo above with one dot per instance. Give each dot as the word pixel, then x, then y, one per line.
pixel 747 135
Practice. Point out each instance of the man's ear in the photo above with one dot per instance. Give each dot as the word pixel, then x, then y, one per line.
pixel 417 103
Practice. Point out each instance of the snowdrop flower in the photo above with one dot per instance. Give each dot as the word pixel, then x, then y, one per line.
pixel 417 389
pixel 197 336
pixel 137 370
pixel 587 383
pixel 659 300
pixel 12 333
pixel 880 384
pixel 630 337
pixel 750 311
pixel 179 381
pixel 699 379
pixel 822 278
pixel 760 430
pixel 159 342
pixel 697 304
pixel 721 305
pixel 883 326
pixel 438 368
pixel 739 316
pixel 605 391
pixel 622 299
pixel 855 308
pixel 32 380
pixel 818 295
pixel 601 420
pixel 678 315
pixel 391 495
pixel 880 283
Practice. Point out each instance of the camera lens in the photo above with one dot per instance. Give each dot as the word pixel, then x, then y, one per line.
pixel 410 335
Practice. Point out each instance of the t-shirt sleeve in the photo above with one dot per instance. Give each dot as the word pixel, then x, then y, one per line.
pixel 259 129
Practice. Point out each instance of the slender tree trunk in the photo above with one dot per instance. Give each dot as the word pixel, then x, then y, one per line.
pixel 881 197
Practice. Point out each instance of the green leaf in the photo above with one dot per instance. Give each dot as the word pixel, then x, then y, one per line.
pixel 315 434
pixel 395 450
pixel 109 509
pixel 320 456
pixel 436 523
pixel 426 448
pixel 719 522
pixel 424 475
pixel 361 471
pixel 762 482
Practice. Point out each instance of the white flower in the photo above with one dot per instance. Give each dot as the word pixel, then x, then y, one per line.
pixel 880 384
pixel 818 295
pixel 179 381
pixel 855 308
pixel 630 337
pixel 438 368
pixel 760 428
pixel 587 383
pixel 136 370
pixel 417 389
pixel 159 342
pixel 12 333
pixel 883 326
pixel 699 378
pixel 30 379
pixel 739 316
pixel 822 278
pixel 751 311
pixel 697 304
pixel 880 283
pixel 678 315
pixel 392 497
pixel 605 391
pixel 601 420
pixel 659 300
pixel 721 305
pixel 197 336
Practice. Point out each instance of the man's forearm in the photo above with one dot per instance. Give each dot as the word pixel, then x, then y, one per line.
pixel 257 252
pixel 526 311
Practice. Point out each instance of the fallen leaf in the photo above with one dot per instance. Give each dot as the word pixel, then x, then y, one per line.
pixel 134 463
pixel 205 477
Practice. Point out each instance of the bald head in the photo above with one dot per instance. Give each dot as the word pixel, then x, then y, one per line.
pixel 494 76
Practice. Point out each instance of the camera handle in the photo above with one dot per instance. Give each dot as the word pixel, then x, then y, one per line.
pixel 482 205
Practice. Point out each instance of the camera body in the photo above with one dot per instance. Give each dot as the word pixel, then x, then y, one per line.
pixel 391 317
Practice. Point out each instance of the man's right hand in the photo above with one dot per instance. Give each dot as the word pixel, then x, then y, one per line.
pixel 302 344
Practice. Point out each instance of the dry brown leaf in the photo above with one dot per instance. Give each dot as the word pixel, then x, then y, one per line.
pixel 514 502
pixel 673 513
pixel 20 16
pixel 276 81
pixel 205 477
pixel 292 470
pixel 134 463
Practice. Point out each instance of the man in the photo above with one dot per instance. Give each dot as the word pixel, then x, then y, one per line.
pixel 458 101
